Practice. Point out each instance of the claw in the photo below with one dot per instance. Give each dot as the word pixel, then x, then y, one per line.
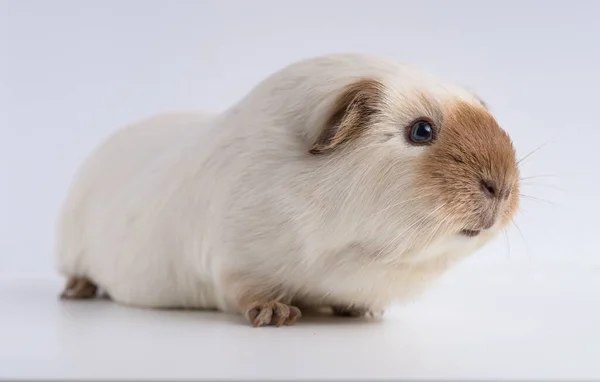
pixel 273 313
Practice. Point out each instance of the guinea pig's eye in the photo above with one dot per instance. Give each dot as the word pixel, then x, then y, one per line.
pixel 421 132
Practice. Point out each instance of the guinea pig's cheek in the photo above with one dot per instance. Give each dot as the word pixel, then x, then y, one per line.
pixel 429 179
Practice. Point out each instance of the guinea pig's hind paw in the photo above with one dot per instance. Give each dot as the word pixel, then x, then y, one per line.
pixel 79 288
pixel 273 313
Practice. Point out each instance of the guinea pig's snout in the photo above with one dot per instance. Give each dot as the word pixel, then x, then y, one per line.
pixel 481 222
pixel 493 192
pixel 489 188
pixel 492 189
pixel 488 221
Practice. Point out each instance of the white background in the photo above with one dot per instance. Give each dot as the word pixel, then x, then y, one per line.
pixel 71 72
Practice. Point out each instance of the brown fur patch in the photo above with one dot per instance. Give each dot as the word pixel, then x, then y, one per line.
pixel 351 115
pixel 471 149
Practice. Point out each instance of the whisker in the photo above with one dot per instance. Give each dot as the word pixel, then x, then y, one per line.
pixel 543 185
pixel 522 237
pixel 538 176
pixel 520 161
pixel 536 199
pixel 523 211
pixel 507 244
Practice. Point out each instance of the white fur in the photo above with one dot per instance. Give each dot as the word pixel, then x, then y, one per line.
pixel 165 209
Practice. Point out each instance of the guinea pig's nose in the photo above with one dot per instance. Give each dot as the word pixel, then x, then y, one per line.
pixel 489 188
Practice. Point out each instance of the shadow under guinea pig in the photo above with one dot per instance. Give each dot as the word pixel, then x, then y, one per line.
pixel 103 306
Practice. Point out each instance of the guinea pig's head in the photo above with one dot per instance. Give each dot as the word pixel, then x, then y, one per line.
pixel 432 151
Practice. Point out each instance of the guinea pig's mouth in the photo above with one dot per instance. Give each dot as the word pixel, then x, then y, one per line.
pixel 470 232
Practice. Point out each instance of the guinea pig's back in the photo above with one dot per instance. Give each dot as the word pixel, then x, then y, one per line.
pixel 118 208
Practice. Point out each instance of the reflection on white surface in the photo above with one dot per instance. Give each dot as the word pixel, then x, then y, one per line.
pixel 491 325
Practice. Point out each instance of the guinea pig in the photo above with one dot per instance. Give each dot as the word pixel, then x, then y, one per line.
pixel 347 181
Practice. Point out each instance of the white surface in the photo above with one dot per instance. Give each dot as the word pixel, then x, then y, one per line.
pixel 71 72
pixel 495 325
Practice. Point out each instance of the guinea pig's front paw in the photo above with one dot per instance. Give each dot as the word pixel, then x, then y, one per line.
pixel 273 313
pixel 353 311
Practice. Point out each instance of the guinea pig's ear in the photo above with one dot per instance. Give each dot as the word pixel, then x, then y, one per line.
pixel 352 113
pixel 479 99
pixel 482 102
